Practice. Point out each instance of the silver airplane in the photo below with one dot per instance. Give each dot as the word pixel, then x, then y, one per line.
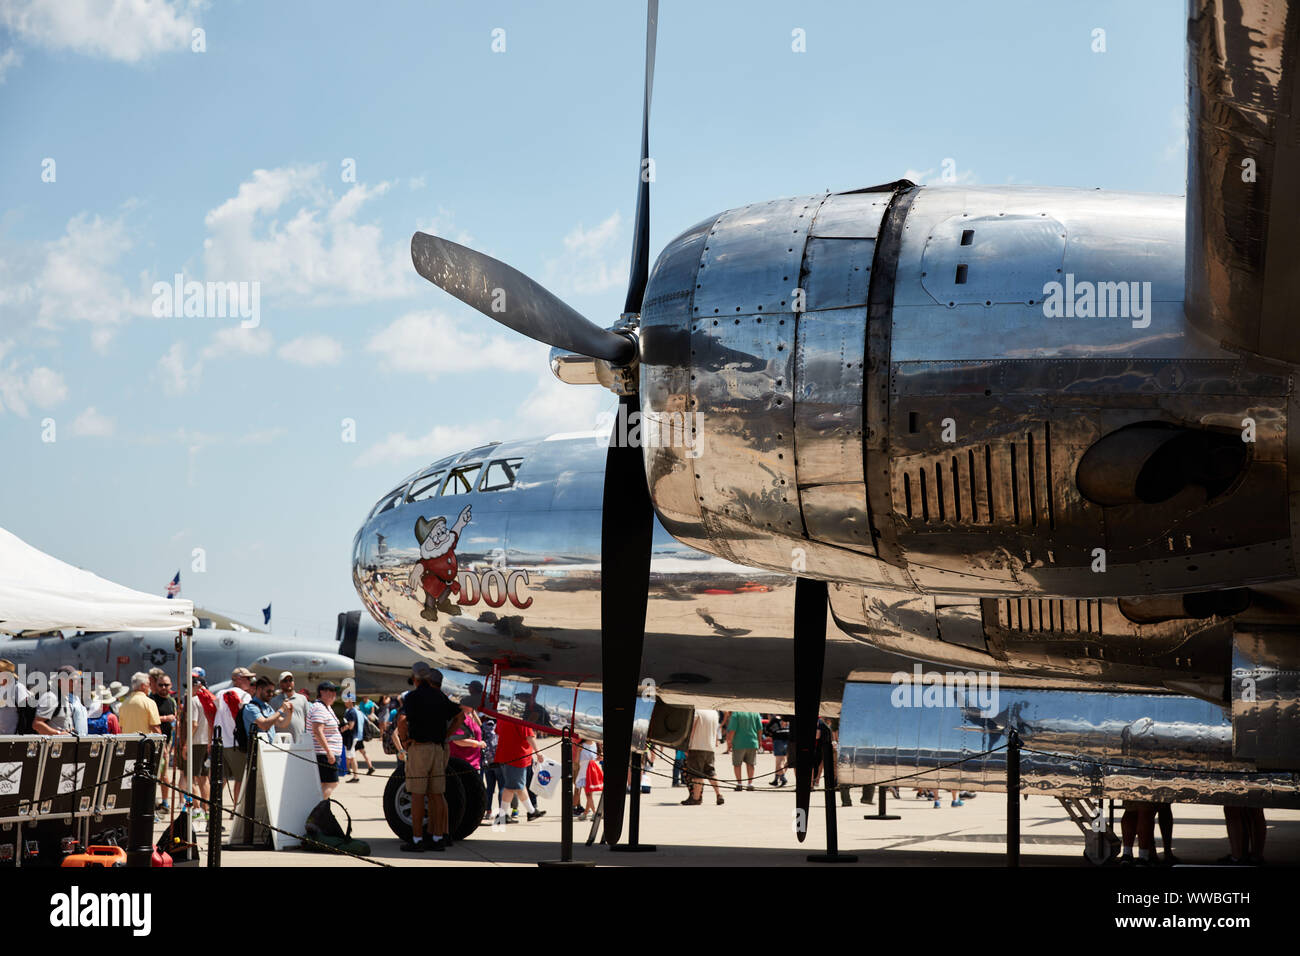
pixel 220 645
pixel 1045 430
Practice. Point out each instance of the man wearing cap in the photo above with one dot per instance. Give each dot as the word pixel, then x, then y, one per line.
pixel 426 714
pixel 58 711
pixel 324 729
pixel 200 735
pixel 230 704
pixel 288 692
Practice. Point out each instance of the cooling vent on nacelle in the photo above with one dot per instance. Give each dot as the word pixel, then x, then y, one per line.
pixel 1004 482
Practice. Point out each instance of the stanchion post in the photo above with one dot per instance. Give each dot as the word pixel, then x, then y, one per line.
pixel 882 791
pixel 566 795
pixel 142 801
pixel 832 854
pixel 216 785
pixel 247 822
pixel 566 815
pixel 1013 799
pixel 633 844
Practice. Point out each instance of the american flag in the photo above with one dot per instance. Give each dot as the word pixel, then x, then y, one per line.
pixel 174 588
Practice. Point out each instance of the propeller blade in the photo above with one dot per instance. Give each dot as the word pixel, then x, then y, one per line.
pixel 640 269
pixel 627 528
pixel 809 660
pixel 508 296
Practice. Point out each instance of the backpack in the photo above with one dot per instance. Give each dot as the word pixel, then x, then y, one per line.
pixel 97 725
pixel 241 732
pixel 230 699
pixel 209 704
pixel 26 717
pixel 325 833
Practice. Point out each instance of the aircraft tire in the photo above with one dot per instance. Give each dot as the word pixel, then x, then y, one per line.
pixel 397 803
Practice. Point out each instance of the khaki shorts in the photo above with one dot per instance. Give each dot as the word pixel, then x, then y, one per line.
pixel 200 752
pixel 748 755
pixel 699 765
pixel 233 763
pixel 426 768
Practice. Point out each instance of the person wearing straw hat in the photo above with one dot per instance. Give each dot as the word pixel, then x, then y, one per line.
pixel 102 718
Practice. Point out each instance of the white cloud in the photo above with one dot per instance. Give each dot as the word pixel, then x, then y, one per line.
pixel 550 407
pixel 8 60
pixel 594 260
pixel 432 343
pixel 176 377
pixel 285 228
pixel 237 340
pixel 553 406
pixel 125 30
pixel 312 350
pixel 398 447
pixel 70 279
pixel 443 224
pixel 92 424
pixel 41 387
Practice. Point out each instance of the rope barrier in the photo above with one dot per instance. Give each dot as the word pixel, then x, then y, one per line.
pixel 450 773
pixel 878 783
pixel 258 823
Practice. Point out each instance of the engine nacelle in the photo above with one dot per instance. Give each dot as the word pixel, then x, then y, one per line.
pixel 899 387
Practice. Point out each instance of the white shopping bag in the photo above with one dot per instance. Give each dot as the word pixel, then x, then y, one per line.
pixel 546 778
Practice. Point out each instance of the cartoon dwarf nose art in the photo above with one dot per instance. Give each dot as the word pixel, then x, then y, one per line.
pixel 437 568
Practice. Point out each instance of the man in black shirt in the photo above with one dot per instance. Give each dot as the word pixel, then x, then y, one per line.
pixel 160 692
pixel 426 714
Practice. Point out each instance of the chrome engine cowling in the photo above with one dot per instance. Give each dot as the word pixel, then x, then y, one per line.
pixel 892 387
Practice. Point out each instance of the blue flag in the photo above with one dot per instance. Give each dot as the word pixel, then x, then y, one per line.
pixel 266 615
pixel 174 588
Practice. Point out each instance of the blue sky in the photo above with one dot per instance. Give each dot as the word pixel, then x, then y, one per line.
pixel 227 165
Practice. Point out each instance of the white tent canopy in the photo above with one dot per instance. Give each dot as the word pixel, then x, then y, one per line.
pixel 41 593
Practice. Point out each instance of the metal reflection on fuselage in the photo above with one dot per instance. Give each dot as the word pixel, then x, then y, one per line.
pixel 1095 744
pixel 519 587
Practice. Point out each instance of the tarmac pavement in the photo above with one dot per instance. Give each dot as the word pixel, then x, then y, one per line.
pixel 756 829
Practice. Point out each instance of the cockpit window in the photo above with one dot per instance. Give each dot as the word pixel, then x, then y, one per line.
pixel 461 479
pixel 389 501
pixel 426 486
pixel 500 474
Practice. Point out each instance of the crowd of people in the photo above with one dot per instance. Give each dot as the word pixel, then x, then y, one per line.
pixel 426 728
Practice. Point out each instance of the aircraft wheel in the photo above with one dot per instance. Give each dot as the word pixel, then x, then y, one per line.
pixel 474 802
pixel 397 804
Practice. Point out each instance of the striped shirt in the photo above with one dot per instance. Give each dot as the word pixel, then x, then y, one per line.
pixel 320 714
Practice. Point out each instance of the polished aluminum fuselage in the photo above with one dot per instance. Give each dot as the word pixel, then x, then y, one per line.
pixel 529 579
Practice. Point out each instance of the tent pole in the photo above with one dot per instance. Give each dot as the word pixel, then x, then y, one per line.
pixel 189 728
